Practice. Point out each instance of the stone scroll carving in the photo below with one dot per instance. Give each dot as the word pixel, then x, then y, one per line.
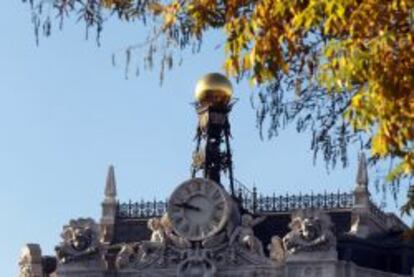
pixel 166 250
pixel 163 247
pixel 80 239
pixel 196 263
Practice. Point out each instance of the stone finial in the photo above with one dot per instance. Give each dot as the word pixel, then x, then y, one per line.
pixel 109 208
pixel 110 186
pixel 361 192
pixel 360 220
pixel 362 174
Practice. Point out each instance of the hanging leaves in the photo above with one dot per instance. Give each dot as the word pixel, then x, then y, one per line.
pixel 337 67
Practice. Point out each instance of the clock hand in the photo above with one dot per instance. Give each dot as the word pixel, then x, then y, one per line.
pixel 187 206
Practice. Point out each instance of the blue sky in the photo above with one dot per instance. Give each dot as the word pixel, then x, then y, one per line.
pixel 66 114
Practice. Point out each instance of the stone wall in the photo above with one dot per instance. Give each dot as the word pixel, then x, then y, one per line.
pixel 291 269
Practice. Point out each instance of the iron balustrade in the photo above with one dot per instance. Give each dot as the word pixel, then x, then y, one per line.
pixel 252 202
pixel 142 209
pixel 270 204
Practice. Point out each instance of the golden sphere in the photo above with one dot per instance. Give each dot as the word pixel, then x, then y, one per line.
pixel 213 89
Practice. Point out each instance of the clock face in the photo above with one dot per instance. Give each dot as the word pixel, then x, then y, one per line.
pixel 198 208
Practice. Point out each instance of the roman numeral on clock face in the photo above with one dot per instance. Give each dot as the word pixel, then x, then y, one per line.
pixel 208 228
pixel 196 186
pixel 219 205
pixel 195 230
pixel 216 195
pixel 185 227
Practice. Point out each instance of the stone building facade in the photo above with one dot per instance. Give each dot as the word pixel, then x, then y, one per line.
pixel 204 230
pixel 335 235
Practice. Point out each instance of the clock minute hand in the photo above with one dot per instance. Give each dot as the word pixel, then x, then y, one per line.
pixel 187 206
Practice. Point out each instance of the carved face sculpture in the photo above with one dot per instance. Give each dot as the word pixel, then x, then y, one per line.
pixel 81 238
pixel 310 228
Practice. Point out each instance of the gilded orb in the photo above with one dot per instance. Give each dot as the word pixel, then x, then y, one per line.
pixel 214 89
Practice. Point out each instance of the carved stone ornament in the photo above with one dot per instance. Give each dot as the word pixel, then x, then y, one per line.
pixel 30 262
pixel 245 236
pixel 25 266
pixel 126 255
pixel 277 251
pixel 310 231
pixel 197 263
pixel 80 240
pixel 167 250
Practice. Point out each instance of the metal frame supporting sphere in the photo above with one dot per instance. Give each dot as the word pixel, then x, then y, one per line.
pixel 212 155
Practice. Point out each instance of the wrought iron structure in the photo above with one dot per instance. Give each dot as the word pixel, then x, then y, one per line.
pixel 254 203
pixel 270 204
pixel 212 155
pixel 213 131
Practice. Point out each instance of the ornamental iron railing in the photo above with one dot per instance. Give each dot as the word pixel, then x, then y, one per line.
pixel 251 202
pixel 142 209
pixel 286 203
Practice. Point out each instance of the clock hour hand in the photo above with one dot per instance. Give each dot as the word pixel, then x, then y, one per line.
pixel 187 206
